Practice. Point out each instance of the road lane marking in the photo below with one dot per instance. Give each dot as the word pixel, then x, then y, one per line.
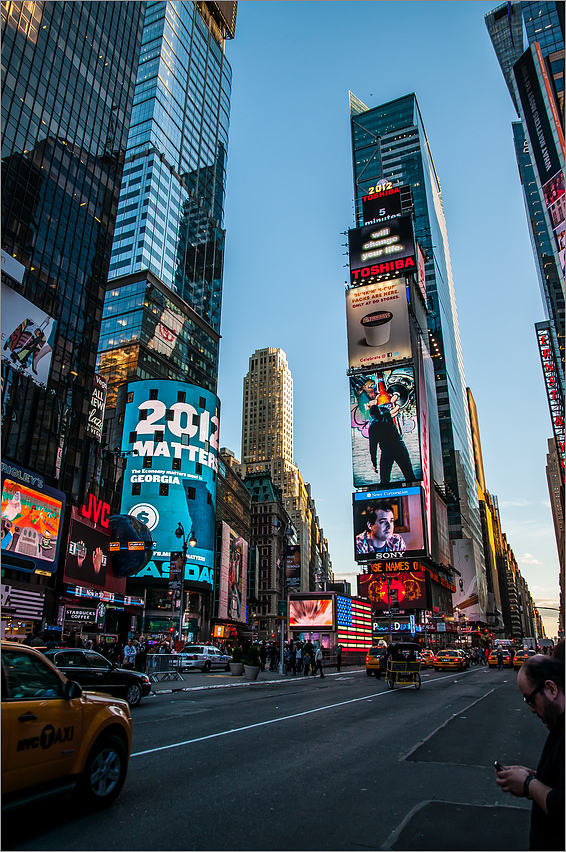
pixel 278 719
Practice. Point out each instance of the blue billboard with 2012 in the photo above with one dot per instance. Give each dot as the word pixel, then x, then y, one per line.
pixel 170 436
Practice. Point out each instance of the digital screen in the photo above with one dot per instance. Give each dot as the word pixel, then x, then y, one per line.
pixel 233 575
pixel 388 524
pixel 385 434
pixel 311 612
pixel 385 250
pixel 381 206
pixel 87 561
pixel 377 320
pixel 171 437
pixel 31 521
pixel 403 590
pixel 28 337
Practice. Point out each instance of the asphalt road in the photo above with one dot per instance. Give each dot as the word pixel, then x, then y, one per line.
pixel 340 763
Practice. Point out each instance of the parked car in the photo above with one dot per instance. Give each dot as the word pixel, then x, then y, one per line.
pixel 94 672
pixel 55 738
pixel 373 665
pixel 449 659
pixel 204 657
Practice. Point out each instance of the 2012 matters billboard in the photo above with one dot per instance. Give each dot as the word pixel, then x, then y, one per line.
pixel 171 434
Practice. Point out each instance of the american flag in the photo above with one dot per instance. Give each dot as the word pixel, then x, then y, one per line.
pixel 354 624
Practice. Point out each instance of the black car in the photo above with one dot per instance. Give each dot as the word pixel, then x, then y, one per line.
pixel 93 671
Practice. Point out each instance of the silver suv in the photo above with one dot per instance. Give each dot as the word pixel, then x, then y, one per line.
pixel 204 657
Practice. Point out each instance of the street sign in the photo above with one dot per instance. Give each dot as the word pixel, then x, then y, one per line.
pixel 412 624
pixel 282 609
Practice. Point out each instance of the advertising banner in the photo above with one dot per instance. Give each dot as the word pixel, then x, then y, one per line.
pixel 311 612
pixel 233 575
pixel 550 361
pixel 424 408
pixel 378 207
pixel 28 337
pixel 404 590
pixel 171 437
pixel 385 435
pixel 388 524
pixel 353 624
pixel 378 323
pixel 466 594
pixel 382 251
pixel 95 419
pixel 32 515
pixel 293 566
pixel 87 561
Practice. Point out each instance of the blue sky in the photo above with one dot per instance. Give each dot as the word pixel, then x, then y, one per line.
pixel 289 200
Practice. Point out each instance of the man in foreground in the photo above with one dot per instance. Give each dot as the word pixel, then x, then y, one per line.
pixel 541 682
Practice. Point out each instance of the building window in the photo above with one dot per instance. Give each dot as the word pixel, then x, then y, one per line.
pixel 164 489
pixel 136 489
pixel 147 462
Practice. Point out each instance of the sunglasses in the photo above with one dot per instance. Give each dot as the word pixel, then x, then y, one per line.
pixel 528 699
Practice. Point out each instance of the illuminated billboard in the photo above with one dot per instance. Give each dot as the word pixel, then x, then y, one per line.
pixel 293 566
pixel 311 612
pixel 381 205
pixel 95 417
pixel 87 562
pixel 233 575
pixel 28 337
pixel 382 251
pixel 171 440
pixel 32 514
pixel 402 589
pixel 378 323
pixel 550 360
pixel 388 524
pixel 385 435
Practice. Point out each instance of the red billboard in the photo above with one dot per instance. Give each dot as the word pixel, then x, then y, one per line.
pixel 403 590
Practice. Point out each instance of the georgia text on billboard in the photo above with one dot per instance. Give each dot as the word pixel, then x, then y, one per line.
pixel 378 323
pixel 382 251
pixel 385 435
pixel 171 437
pixel 388 524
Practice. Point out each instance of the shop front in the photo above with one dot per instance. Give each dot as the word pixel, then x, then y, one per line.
pixel 22 611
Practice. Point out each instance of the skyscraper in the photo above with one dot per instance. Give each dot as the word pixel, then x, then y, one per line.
pixel 267 447
pixel 161 324
pixel 66 103
pixel 390 145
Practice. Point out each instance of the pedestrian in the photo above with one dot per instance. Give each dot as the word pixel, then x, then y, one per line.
pixel 499 660
pixel 262 655
pixel 558 651
pixel 129 655
pixel 273 656
pixel 299 658
pixel 318 661
pixel 141 655
pixel 306 663
pixel 338 657
pixel 541 682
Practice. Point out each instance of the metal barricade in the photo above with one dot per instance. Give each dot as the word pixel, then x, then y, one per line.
pixel 163 667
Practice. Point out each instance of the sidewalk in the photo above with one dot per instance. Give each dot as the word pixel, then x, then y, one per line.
pixel 197 680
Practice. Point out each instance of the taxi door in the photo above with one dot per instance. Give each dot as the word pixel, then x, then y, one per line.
pixel 41 730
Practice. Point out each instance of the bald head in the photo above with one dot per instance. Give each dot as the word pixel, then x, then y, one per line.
pixel 540 668
pixel 541 681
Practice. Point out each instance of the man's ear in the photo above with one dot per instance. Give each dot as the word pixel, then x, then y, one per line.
pixel 552 688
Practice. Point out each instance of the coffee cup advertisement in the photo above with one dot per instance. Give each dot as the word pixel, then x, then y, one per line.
pixel 378 323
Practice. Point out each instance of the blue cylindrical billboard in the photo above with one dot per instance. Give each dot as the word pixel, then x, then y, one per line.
pixel 170 437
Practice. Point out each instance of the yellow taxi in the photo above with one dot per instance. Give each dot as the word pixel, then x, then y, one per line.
pixel 427 657
pixel 521 656
pixel 55 738
pixel 449 659
pixel 372 660
pixel 507 659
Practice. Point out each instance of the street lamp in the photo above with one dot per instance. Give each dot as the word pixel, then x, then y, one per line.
pixel 191 539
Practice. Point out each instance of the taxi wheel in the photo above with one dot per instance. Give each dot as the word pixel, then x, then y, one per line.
pixel 134 694
pixel 104 773
pixel 368 672
pixel 417 681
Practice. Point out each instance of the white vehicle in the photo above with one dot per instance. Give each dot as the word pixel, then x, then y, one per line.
pixel 204 657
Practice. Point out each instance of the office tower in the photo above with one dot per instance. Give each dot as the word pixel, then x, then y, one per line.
pixel 67 94
pixel 267 420
pixel 267 447
pixel 528 39
pixel 390 149
pixel 162 308
pixel 161 324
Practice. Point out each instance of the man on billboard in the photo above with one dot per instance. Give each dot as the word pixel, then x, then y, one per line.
pixel 379 536
pixel 383 433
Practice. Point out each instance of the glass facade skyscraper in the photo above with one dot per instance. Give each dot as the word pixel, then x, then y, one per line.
pixel 389 142
pixel 167 256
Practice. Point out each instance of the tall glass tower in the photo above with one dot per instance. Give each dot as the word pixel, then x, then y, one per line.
pixel 162 309
pixel 389 142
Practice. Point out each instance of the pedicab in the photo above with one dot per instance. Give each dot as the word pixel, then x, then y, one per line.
pixel 403 670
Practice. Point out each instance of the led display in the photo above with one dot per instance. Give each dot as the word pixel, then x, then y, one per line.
pixel 385 250
pixel 378 323
pixel 388 524
pixel 28 337
pixel 311 612
pixel 233 575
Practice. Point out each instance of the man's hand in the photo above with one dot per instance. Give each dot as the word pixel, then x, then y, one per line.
pixel 512 779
